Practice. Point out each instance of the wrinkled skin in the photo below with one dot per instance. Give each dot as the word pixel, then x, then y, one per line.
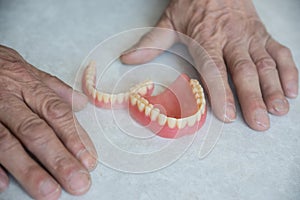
pixel 38 131
pixel 262 70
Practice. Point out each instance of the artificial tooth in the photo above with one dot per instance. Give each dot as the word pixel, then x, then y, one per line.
pixel 162 119
pixel 150 85
pixel 94 93
pixel 120 97
pixel 90 89
pixel 133 100
pixel 145 101
pixel 99 96
pixel 143 90
pixel 195 90
pixel 198 115
pixel 171 122
pixel 106 98
pixel 113 98
pixel 202 108
pixel 147 110
pixel 126 96
pixel 141 106
pixel 181 123
pixel 191 120
pixel 154 114
pixel 199 101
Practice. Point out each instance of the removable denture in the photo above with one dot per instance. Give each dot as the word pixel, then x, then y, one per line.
pixel 178 111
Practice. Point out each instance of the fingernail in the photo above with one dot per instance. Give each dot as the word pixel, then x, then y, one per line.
pixel 292 89
pixel 48 187
pixel 79 181
pixel 88 159
pixel 261 118
pixel 230 112
pixel 79 100
pixel 279 105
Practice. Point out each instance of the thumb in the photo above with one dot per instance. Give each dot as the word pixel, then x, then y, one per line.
pixel 159 39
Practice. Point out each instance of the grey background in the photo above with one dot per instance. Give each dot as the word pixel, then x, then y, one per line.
pixel 57 35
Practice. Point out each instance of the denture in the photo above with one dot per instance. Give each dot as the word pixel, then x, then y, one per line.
pixel 177 111
pixel 107 100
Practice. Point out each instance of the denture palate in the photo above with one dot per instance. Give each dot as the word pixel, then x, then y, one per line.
pixel 107 100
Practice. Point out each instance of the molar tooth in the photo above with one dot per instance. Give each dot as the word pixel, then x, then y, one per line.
pixel 99 96
pixel 126 96
pixel 142 90
pixel 162 119
pixel 181 123
pixel 191 120
pixel 202 108
pixel 94 93
pixel 106 98
pixel 133 100
pixel 198 115
pixel 199 101
pixel 120 98
pixel 149 85
pixel 113 98
pixel 147 110
pixel 154 114
pixel 90 89
pixel 141 106
pixel 171 122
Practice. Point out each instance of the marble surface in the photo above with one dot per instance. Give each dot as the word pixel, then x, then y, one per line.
pixel 56 36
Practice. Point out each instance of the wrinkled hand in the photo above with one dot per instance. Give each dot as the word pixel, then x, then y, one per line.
pixel 42 145
pixel 262 70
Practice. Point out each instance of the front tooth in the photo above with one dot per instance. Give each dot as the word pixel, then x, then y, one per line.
pixel 113 98
pixel 141 106
pixel 147 110
pixel 145 101
pixel 181 123
pixel 171 122
pixel 191 120
pixel 120 98
pixel 94 93
pixel 162 119
pixel 154 114
pixel 106 98
pixel 133 100
pixel 99 96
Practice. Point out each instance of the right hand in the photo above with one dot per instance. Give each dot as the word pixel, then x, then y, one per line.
pixel 41 143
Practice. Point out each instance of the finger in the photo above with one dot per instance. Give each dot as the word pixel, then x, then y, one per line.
pixel 246 81
pixel 75 98
pixel 4 181
pixel 214 75
pixel 288 72
pixel 269 80
pixel 28 173
pixel 159 39
pixel 59 116
pixel 42 142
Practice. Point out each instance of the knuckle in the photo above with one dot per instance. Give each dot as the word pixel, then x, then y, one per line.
pixel 283 52
pixel 7 141
pixel 34 131
pixel 242 67
pixel 57 110
pixel 265 64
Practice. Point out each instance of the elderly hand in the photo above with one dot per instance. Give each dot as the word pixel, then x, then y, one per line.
pixel 41 143
pixel 262 70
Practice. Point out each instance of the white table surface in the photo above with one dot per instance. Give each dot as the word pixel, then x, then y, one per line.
pixel 57 35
